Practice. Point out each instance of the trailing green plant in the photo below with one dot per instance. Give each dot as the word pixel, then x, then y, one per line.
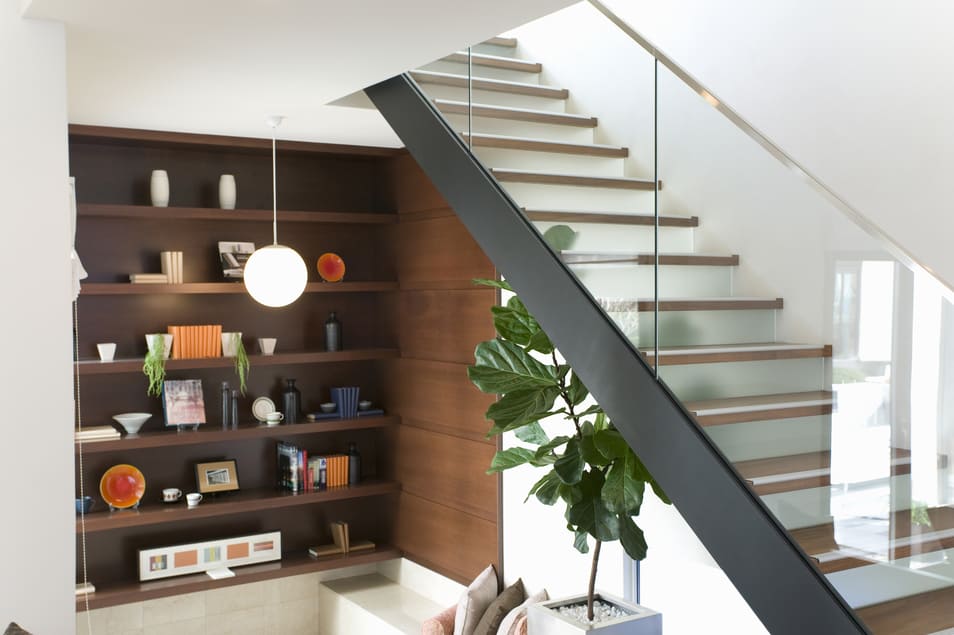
pixel 592 469
pixel 154 365
pixel 241 361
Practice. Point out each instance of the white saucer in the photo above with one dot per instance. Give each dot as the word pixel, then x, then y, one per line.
pixel 261 407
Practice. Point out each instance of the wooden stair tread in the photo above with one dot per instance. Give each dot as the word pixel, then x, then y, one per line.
pixel 485 83
pixel 803 471
pixel 499 40
pixel 711 412
pixel 909 538
pixel 610 218
pixel 713 353
pixel 543 145
pixel 496 61
pixel 625 305
pixel 451 107
pixel 576 180
pixel 913 615
pixel 572 257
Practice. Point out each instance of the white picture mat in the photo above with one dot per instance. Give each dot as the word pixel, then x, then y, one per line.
pixel 202 548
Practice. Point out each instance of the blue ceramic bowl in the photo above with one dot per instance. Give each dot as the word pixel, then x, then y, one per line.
pixel 83 505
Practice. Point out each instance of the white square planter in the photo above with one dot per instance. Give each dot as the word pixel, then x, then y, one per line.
pixel 541 620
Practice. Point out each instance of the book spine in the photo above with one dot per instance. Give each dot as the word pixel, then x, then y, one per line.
pixel 322 472
pixel 217 341
pixel 306 482
pixel 179 275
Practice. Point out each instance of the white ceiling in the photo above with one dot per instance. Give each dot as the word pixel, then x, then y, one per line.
pixel 220 66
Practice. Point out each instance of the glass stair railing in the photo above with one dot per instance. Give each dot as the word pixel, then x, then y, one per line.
pixel 807 354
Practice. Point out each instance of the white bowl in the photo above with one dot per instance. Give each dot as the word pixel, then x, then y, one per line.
pixel 132 421
pixel 329 406
pixel 364 404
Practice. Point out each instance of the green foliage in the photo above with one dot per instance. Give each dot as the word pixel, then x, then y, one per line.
pixel 560 237
pixel 241 361
pixel 154 366
pixel 593 471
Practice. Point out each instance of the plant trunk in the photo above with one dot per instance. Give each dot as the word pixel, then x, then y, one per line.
pixel 592 589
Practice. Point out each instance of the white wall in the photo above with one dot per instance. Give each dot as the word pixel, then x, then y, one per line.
pixel 36 454
pixel 856 91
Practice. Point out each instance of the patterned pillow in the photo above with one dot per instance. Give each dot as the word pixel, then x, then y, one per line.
pixel 511 597
pixel 440 624
pixel 474 601
pixel 509 623
pixel 14 629
pixel 520 626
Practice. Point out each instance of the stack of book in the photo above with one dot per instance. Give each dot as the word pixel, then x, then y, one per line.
pixel 148 278
pixel 195 342
pixel 97 433
pixel 299 472
pixel 341 534
pixel 171 262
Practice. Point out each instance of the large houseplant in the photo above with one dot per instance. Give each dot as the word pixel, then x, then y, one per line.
pixel 591 469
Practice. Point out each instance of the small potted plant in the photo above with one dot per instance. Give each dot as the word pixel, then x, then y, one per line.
pixel 154 365
pixel 232 346
pixel 591 469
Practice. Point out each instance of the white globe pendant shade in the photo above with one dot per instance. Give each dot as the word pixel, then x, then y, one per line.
pixel 275 275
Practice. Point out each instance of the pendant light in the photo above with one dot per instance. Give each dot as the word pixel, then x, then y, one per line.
pixel 275 275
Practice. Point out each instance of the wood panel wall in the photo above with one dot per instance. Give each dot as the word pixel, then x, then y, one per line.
pixel 447 517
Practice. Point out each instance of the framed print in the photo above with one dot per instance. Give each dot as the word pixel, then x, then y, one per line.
pixel 217 476
pixel 164 562
pixel 183 403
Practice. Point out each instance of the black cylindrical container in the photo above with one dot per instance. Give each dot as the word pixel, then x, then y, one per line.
pixel 354 464
pixel 332 333
pixel 291 402
pixel 235 415
pixel 226 404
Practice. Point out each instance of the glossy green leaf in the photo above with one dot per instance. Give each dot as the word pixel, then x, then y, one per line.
pixel 631 537
pixel 646 476
pixel 571 494
pixel 509 458
pixel 570 465
pixel 532 433
pixel 513 325
pixel 590 514
pixel 611 444
pixel 560 237
pixel 502 367
pixel 487 282
pixel 623 490
pixel 588 448
pixel 548 491
pixel 553 444
pixel 576 391
pixel 520 408
pixel 580 542
pixel 540 341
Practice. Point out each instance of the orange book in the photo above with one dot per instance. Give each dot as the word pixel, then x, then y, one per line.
pixel 217 340
pixel 207 341
pixel 190 342
pixel 345 464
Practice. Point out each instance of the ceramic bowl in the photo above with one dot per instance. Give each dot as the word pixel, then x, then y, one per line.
pixel 329 406
pixel 364 404
pixel 132 421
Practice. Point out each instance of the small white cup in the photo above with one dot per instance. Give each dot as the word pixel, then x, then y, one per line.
pixel 107 350
pixel 267 345
pixel 171 494
pixel 273 418
pixel 193 499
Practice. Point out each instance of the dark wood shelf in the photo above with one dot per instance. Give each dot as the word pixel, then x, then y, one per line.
pixel 147 212
pixel 291 564
pixel 119 366
pixel 236 503
pixel 215 288
pixel 211 434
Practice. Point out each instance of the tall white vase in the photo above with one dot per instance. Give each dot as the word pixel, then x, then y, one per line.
pixel 159 188
pixel 227 191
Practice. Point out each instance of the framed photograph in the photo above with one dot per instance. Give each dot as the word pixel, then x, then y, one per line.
pixel 217 476
pixel 164 562
pixel 233 256
pixel 182 402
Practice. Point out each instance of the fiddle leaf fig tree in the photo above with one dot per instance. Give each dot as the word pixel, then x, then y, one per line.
pixel 591 468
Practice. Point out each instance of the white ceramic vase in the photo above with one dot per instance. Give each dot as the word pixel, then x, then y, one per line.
pixel 159 188
pixel 166 343
pixel 227 191
pixel 230 342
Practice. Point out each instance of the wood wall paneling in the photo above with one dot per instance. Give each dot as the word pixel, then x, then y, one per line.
pixel 410 189
pixel 439 250
pixel 444 325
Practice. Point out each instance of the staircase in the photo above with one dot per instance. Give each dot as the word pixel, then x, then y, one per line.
pixel 767 404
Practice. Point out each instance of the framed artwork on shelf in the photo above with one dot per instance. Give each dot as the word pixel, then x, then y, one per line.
pixel 211 555
pixel 233 256
pixel 216 476
pixel 183 403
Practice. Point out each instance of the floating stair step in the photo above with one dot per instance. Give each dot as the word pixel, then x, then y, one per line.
pixel 609 218
pixel 484 83
pixel 495 61
pixel 715 412
pixel 549 178
pixel 768 351
pixel 695 304
pixel 541 145
pixel 597 258
pixel 450 107
pixel 909 537
pixel 509 42
pixel 913 615
pixel 787 473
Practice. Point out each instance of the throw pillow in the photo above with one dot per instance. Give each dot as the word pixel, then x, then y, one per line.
pixel 520 627
pixel 512 596
pixel 440 624
pixel 474 601
pixel 14 629
pixel 507 626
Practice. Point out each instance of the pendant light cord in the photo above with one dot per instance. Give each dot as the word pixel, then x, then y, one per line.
pixel 274 192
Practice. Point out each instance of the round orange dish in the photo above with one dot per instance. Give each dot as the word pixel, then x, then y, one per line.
pixel 331 267
pixel 122 486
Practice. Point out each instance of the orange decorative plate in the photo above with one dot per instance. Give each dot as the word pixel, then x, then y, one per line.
pixel 331 267
pixel 122 486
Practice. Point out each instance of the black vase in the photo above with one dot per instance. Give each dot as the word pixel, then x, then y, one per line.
pixel 291 402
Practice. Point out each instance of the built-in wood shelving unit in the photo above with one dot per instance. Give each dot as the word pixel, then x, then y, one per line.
pixel 217 288
pixel 148 212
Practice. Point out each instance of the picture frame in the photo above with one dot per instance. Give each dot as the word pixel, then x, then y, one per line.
pixel 216 476
pixel 183 403
pixel 211 555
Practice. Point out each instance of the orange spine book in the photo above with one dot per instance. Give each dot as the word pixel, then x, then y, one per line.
pixel 207 341
pixel 186 342
pixel 173 331
pixel 332 471
pixel 342 470
pixel 217 340
pixel 346 463
pixel 190 342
